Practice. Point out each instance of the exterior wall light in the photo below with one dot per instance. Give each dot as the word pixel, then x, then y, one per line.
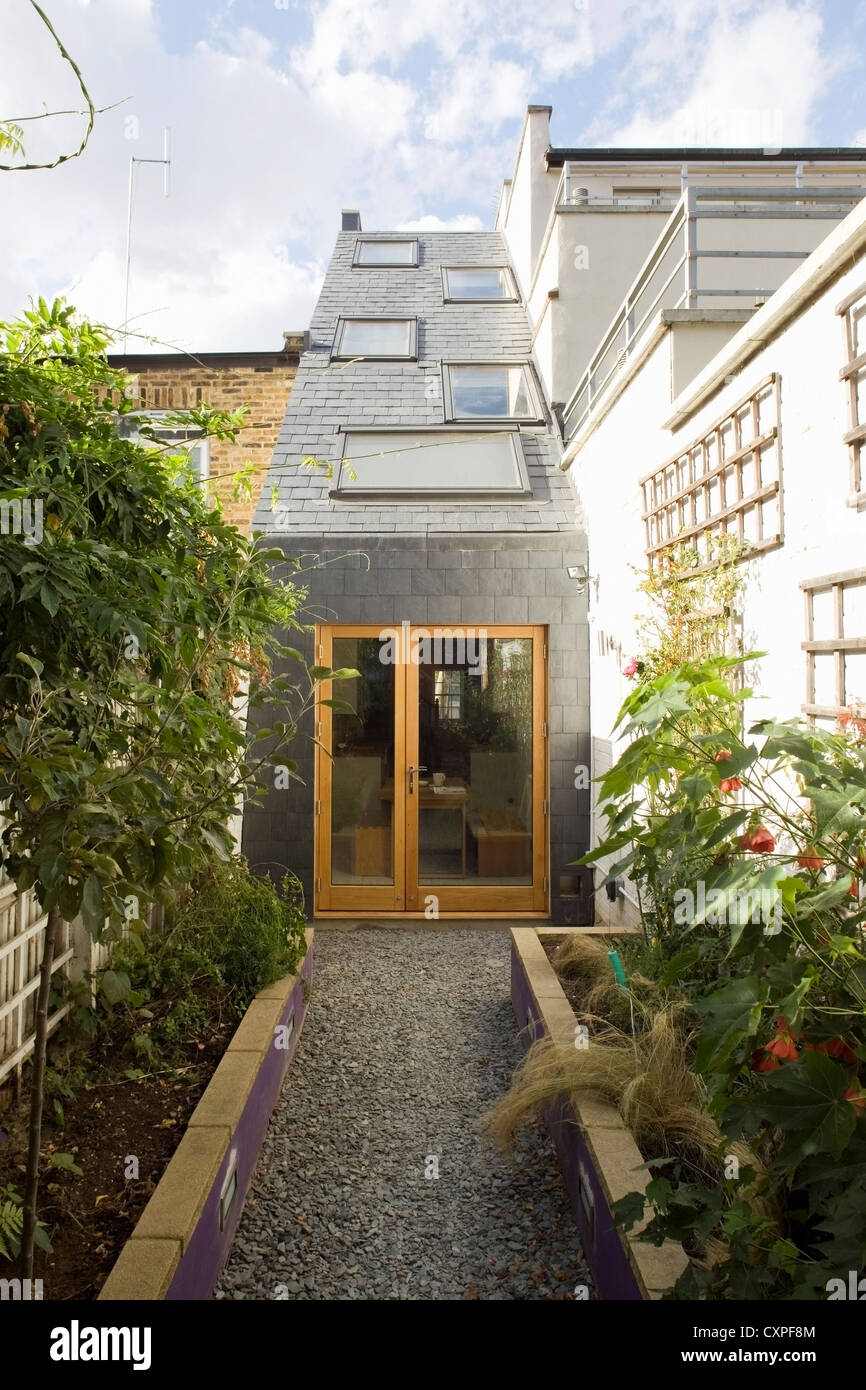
pixel 580 576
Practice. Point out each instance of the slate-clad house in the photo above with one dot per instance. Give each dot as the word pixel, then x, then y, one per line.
pixel 437 547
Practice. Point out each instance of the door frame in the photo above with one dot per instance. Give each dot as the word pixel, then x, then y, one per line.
pixel 407 896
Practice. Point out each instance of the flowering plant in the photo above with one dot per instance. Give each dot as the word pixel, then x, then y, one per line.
pixel 769 959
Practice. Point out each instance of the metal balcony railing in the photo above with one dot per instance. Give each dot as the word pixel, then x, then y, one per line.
pixel 684 271
pixel 572 194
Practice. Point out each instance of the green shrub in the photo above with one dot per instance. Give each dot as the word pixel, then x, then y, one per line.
pixel 229 935
pixel 253 932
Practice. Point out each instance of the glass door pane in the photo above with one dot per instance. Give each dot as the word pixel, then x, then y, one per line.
pixel 475 755
pixel 362 767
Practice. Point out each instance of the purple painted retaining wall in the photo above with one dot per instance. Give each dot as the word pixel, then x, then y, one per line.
pixel 602 1245
pixel 202 1261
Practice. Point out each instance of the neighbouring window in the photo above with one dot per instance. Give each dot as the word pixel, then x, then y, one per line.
pixel 379 338
pixel 186 444
pixel 489 392
pixel 477 283
pixel 449 695
pixel 835 644
pixel 451 463
pixel 853 312
pixel 724 490
pixel 396 252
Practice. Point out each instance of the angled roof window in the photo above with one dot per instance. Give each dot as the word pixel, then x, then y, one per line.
pixel 430 463
pixel 395 252
pixel 478 283
pixel 475 391
pixel 377 338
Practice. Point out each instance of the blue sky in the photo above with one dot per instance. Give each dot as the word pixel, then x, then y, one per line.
pixel 283 112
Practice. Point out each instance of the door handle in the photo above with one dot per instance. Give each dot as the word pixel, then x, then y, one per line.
pixel 412 771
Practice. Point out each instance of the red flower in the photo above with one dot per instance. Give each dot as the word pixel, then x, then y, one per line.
pixel 630 667
pixel 758 841
pixel 809 860
pixel 783 1046
pixel 856 1097
pixel 835 1047
pixel 730 784
pixel 855 889
pixel 762 1062
pixel 723 754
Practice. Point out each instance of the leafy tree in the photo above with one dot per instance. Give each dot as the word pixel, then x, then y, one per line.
pixel 134 621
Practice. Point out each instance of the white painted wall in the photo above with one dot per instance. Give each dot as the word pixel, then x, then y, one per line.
pixel 524 214
pixel 600 253
pixel 822 534
pixel 696 343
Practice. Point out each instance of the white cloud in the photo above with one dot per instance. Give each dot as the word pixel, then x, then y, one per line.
pixel 463 222
pixel 408 111
pixel 753 76
pixel 480 94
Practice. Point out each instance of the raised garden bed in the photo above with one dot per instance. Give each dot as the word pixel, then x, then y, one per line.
pixel 600 1160
pixel 90 1214
pixel 184 1234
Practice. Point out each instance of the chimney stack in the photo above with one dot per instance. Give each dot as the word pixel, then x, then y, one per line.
pixel 351 220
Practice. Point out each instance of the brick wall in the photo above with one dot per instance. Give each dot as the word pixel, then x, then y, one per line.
pixel 262 385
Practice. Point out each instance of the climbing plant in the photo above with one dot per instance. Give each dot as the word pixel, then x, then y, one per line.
pixel 691 606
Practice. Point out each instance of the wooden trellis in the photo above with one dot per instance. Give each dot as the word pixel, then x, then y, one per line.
pixel 726 486
pixel 22 931
pixel 853 374
pixel 22 935
pixel 846 639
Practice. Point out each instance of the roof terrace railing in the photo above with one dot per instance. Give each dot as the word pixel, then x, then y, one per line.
pixel 572 194
pixel 677 275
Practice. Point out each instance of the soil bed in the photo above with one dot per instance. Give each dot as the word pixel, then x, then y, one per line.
pixel 111 1119
pixel 573 990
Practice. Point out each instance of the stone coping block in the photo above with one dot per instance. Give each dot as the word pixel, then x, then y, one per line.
pixel 600 1160
pixel 184 1234
pixel 176 1205
pixel 143 1270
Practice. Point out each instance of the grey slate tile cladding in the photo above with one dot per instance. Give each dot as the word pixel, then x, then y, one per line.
pixel 435 562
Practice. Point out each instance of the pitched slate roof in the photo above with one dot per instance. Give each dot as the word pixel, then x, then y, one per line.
pixel 326 396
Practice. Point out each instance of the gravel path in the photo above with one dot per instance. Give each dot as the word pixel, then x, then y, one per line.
pixel 409 1037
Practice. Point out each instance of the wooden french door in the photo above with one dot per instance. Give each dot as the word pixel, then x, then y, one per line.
pixel 431 771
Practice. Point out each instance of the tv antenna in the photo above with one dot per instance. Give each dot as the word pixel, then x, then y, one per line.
pixel 166 189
